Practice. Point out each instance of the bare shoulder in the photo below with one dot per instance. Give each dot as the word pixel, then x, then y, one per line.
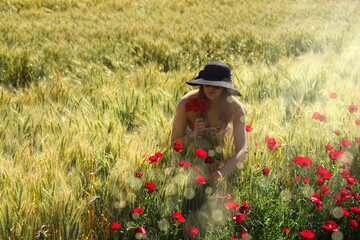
pixel 187 97
pixel 237 108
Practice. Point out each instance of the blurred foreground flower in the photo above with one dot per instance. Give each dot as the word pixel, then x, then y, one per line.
pixel 328 147
pixel 345 143
pixel 228 196
pixel 192 230
pixel 272 144
pixel 232 205
pixel 243 233
pixel 184 163
pixel 209 160
pixel 201 153
pixel 332 95
pixel 332 226
pixel 115 226
pixel 305 162
pixel 266 171
pixel 140 232
pixel 200 179
pixel 353 224
pixel 150 186
pixel 307 234
pixel 248 128
pixel 138 210
pixel 238 217
pixel 244 208
pixel 178 146
pixel 178 216
pixel 352 109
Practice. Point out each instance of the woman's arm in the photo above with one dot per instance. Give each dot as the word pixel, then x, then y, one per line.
pixel 181 121
pixel 240 145
pixel 179 125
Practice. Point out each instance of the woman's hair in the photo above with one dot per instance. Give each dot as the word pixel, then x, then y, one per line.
pixel 224 111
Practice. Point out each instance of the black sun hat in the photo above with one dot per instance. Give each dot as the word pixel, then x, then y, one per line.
pixel 215 74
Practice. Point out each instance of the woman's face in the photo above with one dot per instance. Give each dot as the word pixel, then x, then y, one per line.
pixel 212 92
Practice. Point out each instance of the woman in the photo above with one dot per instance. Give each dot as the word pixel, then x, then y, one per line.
pixel 216 88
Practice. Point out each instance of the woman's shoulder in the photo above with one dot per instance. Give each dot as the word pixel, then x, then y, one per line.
pixel 236 107
pixel 190 95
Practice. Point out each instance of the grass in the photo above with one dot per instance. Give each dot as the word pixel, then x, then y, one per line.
pixel 88 90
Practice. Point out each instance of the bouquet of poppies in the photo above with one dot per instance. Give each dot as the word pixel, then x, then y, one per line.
pixel 197 105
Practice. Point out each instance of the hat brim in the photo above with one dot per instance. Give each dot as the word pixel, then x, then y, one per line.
pixel 200 81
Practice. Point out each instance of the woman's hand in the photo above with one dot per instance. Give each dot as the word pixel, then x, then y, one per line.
pixel 200 125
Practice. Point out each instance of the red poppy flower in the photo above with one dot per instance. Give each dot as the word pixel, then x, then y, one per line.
pixel 316 115
pixel 238 217
pixel 345 143
pixel 248 128
pixel 266 171
pixel 227 196
pixel 272 144
pixel 159 154
pixel 316 198
pixel 328 147
pixel 234 239
pixel 321 171
pixel 305 180
pixel 139 174
pixel 201 153
pixel 178 216
pixel 192 230
pixel 325 190
pixel 286 230
pixel 351 181
pixel 332 226
pixel 200 179
pixel 197 105
pixel 197 169
pixel 138 210
pixel 307 234
pixel 352 109
pixel 355 209
pixel 209 160
pixel 153 159
pixel 243 233
pixel 184 163
pixel 150 186
pixel 323 118
pixel 244 208
pixel 140 231
pixel 321 181
pixel 178 146
pixel 353 224
pixel 115 226
pixel 345 212
pixel 332 95
pixel 357 121
pixel 256 144
pixel 297 179
pixel 345 173
pixel 303 161
pixel 357 140
pixel 328 176
pixel 232 205
pixel 337 154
